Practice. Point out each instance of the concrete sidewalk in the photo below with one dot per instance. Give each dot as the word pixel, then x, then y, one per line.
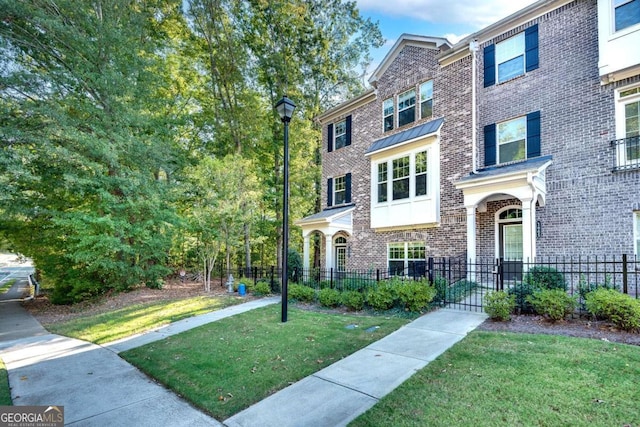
pixel 98 388
pixel 341 392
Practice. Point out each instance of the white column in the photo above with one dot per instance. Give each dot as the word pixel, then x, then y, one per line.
pixel 328 251
pixel 527 255
pixel 306 256
pixel 471 241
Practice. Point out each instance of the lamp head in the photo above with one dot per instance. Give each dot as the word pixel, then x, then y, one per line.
pixel 285 108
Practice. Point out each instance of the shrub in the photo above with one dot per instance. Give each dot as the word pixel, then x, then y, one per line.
pixel 553 304
pixel 521 291
pixel 381 297
pixel 441 285
pixel 329 297
pixel 542 277
pixel 262 288
pixel 294 263
pixel 274 286
pixel 620 309
pixel 415 295
pixel 353 300
pixel 584 287
pixel 300 293
pixel 499 305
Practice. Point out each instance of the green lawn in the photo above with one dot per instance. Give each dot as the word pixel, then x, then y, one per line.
pixel 138 318
pixel 226 366
pixel 5 286
pixel 505 379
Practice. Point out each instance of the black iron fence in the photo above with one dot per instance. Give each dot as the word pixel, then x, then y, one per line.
pixel 462 283
pixel 626 153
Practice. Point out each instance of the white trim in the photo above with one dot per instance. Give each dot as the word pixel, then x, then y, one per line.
pixel 636 233
pixel 497 221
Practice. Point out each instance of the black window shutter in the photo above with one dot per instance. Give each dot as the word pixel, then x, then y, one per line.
pixel 329 192
pixel 490 145
pixel 533 134
pixel 531 47
pixel 347 184
pixel 489 65
pixel 348 136
pixel 330 138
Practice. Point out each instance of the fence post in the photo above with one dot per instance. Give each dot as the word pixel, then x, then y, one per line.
pixel 295 274
pixel 331 277
pixel 430 267
pixel 377 275
pixel 500 274
pixel 625 283
pixel 271 278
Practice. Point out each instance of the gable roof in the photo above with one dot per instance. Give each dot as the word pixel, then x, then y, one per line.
pixel 436 43
pixel 405 136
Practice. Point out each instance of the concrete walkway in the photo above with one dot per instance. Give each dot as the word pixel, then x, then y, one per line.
pixel 98 388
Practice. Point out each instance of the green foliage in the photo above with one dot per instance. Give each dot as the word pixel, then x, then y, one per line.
pixel 585 287
pixel 554 304
pixel 381 297
pixel 294 261
pixel 499 305
pixel 441 285
pixel 262 288
pixel 543 277
pixel 300 293
pixel 415 295
pixel 620 309
pixel 521 291
pixel 329 297
pixel 353 300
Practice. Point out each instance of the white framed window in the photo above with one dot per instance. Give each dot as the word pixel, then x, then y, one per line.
pixel 510 57
pixel 407 259
pixel 340 134
pixel 388 114
pixel 340 244
pixel 383 178
pixel 401 175
pixel 636 233
pixel 625 13
pixel 339 190
pixel 426 99
pixel 628 128
pixel 409 177
pixel 406 107
pixel 512 140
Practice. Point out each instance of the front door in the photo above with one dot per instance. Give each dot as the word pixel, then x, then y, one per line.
pixel 511 250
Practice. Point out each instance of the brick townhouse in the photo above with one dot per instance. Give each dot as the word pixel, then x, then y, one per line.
pixel 520 141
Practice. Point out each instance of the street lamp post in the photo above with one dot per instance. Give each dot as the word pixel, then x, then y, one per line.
pixel 285 108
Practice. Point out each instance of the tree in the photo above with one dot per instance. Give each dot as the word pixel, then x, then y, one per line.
pixel 87 141
pixel 223 199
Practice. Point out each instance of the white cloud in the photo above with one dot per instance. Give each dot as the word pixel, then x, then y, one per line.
pixel 454 38
pixel 475 13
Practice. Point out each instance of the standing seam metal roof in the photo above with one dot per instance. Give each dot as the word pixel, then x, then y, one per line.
pixel 407 135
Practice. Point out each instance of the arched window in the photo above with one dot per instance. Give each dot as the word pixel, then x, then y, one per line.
pixel 340 245
pixel 511 213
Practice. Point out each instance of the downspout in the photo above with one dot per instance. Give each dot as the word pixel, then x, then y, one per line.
pixel 473 47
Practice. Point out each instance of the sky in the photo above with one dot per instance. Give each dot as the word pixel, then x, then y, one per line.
pixel 452 19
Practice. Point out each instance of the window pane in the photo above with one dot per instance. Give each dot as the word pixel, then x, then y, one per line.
pixel 339 192
pixel 396 251
pixel 416 251
pixel 510 48
pixel 627 15
pixel 632 121
pixel 382 192
pixel 512 130
pixel 406 116
pixel 426 109
pixel 387 114
pixel 421 185
pixel 340 141
pixel 637 233
pixel 510 69
pixel 406 107
pixel 401 167
pixel 512 151
pixel 426 101
pixel 421 162
pixel 401 189
pixel 633 149
pixel 396 268
pixel 339 183
pixel 340 138
pixel 382 172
